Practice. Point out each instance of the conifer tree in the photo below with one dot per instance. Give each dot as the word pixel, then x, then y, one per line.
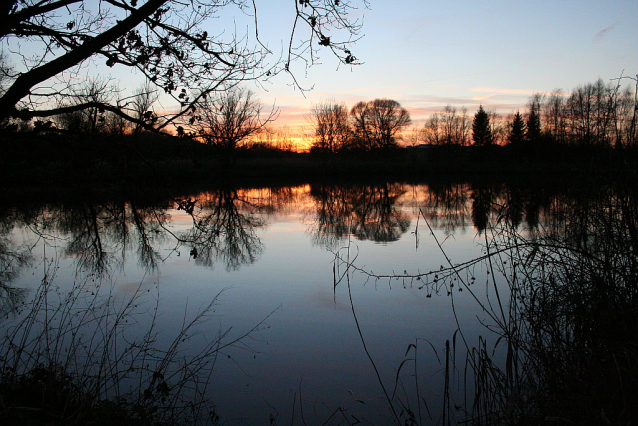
pixel 516 136
pixel 481 130
pixel 533 134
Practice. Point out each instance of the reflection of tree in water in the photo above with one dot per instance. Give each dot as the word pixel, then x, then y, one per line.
pixel 331 215
pixel 529 205
pixel 376 217
pixel 451 206
pixel 13 259
pixel 224 230
pixel 367 212
pixel 562 302
pixel 101 234
pixel 483 198
pixel 445 206
pixel 574 322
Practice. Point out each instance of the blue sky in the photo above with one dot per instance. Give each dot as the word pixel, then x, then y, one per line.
pixel 428 54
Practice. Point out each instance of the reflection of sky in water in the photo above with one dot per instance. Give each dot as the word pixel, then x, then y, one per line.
pixel 311 344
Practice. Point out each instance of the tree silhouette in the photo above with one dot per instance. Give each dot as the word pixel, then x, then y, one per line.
pixel 516 136
pixel 533 134
pixel 5 72
pixel 331 127
pixel 143 99
pixel 362 137
pixel 90 120
pixel 163 40
pixel 230 119
pixel 481 130
pixel 377 123
pixel 449 127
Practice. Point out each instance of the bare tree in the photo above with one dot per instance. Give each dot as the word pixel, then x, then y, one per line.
pixel 276 138
pixel 626 114
pixel 143 99
pixel 432 130
pixel 450 127
pixel 500 128
pixel 591 108
pixel 5 72
pixel 594 114
pixel 331 127
pixel 230 119
pixel 91 119
pixel 414 137
pixel 116 125
pixel 5 79
pixel 554 116
pixel 456 126
pixel 378 123
pixel 163 40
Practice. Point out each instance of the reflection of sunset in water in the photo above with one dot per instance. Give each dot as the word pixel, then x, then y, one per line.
pixel 298 253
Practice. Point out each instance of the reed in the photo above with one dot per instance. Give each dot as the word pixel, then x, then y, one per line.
pixel 78 357
pixel 561 337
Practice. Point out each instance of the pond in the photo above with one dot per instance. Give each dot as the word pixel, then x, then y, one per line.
pixel 312 304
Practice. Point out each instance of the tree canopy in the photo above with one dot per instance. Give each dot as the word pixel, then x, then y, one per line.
pixel 166 41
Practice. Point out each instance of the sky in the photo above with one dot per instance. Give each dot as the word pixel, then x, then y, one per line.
pixel 429 54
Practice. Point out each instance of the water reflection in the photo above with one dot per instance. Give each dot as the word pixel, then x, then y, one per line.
pixel 367 212
pixel 452 207
pixel 559 310
pixel 569 253
pixel 572 326
pixel 13 259
pixel 224 229
pixel 100 235
pixel 445 205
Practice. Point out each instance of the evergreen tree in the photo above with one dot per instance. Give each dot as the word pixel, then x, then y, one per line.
pixel 481 130
pixel 533 134
pixel 516 135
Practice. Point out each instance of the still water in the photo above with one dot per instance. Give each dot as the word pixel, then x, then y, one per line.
pixel 329 289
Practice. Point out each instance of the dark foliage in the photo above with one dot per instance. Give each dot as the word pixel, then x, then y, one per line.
pixel 481 129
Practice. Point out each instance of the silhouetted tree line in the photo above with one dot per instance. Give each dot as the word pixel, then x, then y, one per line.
pixel 368 126
pixel 593 115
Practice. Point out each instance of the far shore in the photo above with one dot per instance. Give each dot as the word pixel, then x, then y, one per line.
pixel 59 162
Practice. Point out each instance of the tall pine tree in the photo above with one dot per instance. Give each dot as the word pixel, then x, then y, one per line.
pixel 533 134
pixel 516 136
pixel 481 129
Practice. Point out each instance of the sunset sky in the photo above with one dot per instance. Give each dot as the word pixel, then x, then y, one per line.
pixel 428 54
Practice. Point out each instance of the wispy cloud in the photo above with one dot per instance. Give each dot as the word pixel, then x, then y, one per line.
pixel 600 35
pixel 503 91
pixel 482 97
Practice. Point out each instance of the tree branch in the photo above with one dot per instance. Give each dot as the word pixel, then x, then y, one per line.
pixel 23 84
